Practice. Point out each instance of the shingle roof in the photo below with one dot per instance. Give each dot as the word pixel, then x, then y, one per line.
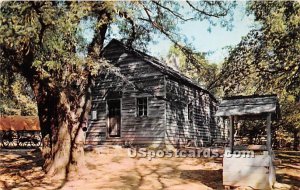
pixel 249 105
pixel 19 123
pixel 161 66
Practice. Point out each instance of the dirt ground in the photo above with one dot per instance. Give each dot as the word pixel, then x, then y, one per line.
pixel 109 168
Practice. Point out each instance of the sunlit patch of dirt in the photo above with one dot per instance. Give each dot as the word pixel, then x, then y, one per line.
pixel 108 168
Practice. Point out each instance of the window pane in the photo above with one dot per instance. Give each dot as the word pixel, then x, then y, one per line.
pixel 94 114
pixel 141 106
pixel 190 111
pixel 145 106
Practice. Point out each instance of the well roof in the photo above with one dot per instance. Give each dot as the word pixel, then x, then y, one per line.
pixel 249 105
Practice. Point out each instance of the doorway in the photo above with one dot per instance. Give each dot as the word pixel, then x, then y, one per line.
pixel 114 118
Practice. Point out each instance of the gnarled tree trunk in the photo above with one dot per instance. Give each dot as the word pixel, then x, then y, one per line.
pixel 63 105
pixel 62 120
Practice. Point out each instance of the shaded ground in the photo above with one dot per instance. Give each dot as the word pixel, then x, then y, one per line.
pixel 113 169
pixel 289 171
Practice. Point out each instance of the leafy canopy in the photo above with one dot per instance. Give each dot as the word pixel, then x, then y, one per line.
pixel 267 60
pixel 269 55
pixel 45 41
pixel 200 71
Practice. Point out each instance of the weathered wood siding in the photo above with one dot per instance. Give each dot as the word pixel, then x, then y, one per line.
pixel 223 127
pixel 135 78
pixel 201 129
pixel 138 75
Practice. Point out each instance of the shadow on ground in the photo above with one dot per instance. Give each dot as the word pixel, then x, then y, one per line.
pixel 210 178
pixel 22 169
pixel 113 169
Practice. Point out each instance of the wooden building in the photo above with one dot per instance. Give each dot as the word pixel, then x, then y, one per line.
pixel 140 100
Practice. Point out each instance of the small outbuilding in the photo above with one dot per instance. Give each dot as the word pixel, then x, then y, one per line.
pixel 20 131
pixel 250 166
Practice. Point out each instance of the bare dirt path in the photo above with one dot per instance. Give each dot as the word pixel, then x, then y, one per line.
pixel 113 169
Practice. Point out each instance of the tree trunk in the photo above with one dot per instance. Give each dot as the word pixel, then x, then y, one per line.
pixel 61 123
pixel 64 111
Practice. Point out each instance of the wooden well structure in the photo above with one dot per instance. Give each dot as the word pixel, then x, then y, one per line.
pixel 249 166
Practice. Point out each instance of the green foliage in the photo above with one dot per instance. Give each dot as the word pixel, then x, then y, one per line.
pixel 268 56
pixel 50 31
pixel 267 60
pixel 140 21
pixel 16 97
pixel 201 71
pixel 291 113
pixel 45 41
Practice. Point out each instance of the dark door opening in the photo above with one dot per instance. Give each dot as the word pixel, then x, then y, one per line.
pixel 114 118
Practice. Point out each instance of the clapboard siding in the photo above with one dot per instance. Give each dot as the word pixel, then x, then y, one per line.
pixel 143 130
pixel 202 128
pixel 133 78
pixel 133 74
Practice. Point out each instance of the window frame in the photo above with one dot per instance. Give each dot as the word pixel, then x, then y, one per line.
pixel 190 110
pixel 145 107
pixel 94 115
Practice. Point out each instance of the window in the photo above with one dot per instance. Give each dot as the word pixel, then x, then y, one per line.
pixel 190 112
pixel 142 104
pixel 94 115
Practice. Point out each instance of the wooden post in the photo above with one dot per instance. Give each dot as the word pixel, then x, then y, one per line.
pixel 269 137
pixel 231 130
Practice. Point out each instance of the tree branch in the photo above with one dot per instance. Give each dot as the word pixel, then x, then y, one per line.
pixel 132 35
pixel 176 14
pixel 187 52
pixel 206 13
pixel 36 7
